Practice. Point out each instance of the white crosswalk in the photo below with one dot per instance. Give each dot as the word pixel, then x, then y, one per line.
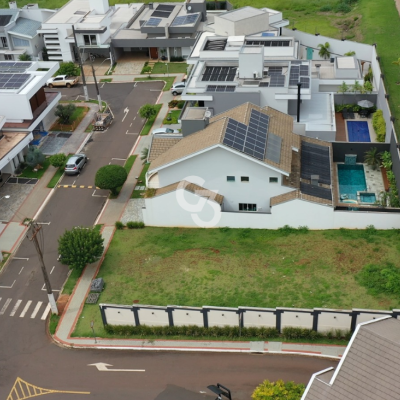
pixel 8 307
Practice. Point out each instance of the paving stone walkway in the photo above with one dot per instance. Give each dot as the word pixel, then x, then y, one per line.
pixel 133 211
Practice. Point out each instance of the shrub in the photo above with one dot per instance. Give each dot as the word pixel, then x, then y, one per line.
pixel 65 112
pixel 379 124
pixel 176 59
pixel 278 390
pixel 290 332
pixel 135 225
pixel 326 8
pixel 25 57
pixel 68 68
pixel 343 8
pixel 119 225
pixel 58 160
pixel 147 111
pixel 111 177
pixel 173 103
pixel 181 103
pixel 34 157
pixel 146 70
pixel 380 279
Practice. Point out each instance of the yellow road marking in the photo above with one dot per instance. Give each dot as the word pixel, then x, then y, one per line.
pixel 74 186
pixel 20 387
pixel 81 187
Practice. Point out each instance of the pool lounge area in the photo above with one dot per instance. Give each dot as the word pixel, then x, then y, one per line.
pixel 354 130
pixel 359 184
pixel 358 131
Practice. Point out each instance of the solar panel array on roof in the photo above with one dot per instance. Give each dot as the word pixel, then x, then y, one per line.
pixel 268 43
pixel 315 160
pixel 295 62
pixel 264 84
pixel 185 20
pixel 216 45
pixel 249 139
pixel 219 74
pixel 13 81
pixel 14 67
pixel 165 7
pixel 316 191
pixel 153 22
pixel 294 75
pixel 303 70
pixel 161 14
pixel 305 82
pixel 5 19
pixel 220 88
pixel 274 144
pixel 267 34
pixel 274 70
pixel 277 81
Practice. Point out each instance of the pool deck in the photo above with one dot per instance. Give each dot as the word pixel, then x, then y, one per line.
pixel 341 127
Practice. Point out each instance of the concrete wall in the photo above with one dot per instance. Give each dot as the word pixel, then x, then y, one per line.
pixel 318 319
pixel 225 101
pixel 247 26
pixel 340 149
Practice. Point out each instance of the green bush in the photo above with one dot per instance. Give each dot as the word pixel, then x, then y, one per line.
pixel 181 103
pixel 147 111
pixel 135 225
pixel 68 68
pixel 110 177
pixel 119 225
pixel 173 103
pixel 380 279
pixel 379 124
pixel 343 8
pixel 34 157
pixel 58 160
pixel 278 390
pixel 326 8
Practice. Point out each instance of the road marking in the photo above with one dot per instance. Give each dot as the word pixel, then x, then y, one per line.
pixel 43 223
pixel 3 310
pixel 126 111
pixel 7 287
pixel 130 124
pixel 127 131
pixel 136 84
pixel 101 87
pixel 154 90
pixel 74 182
pixel 131 133
pixel 54 290
pixel 76 186
pixel 46 311
pixel 120 159
pixel 21 270
pixel 52 269
pixel 20 258
pixel 97 195
pixel 25 309
pixel 103 367
pixel 36 309
pixel 134 118
pixel 14 310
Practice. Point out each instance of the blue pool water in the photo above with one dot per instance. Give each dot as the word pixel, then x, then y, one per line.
pixel 367 198
pixel 358 131
pixel 351 180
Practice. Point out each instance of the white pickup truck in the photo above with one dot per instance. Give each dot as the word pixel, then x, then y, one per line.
pixel 62 80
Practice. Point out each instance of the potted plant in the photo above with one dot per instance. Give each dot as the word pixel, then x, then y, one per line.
pixel 163 56
pixel 373 158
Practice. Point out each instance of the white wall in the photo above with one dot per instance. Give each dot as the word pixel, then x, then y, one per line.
pixel 258 317
pixel 223 317
pixel 297 318
pixel 188 316
pixel 338 319
pixel 119 316
pixel 153 316
pixel 215 165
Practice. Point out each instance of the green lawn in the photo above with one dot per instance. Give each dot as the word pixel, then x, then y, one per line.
pixel 149 123
pixel 56 177
pixel 28 172
pixel 75 120
pixel 168 81
pixel 107 80
pixel 173 68
pixel 174 117
pixel 242 267
pixel 137 194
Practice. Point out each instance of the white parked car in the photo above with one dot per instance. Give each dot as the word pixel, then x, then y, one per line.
pixel 164 130
pixel 62 80
pixel 177 88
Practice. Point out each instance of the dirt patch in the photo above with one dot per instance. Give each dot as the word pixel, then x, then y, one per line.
pixel 62 302
pixel 349 27
pixel 398 5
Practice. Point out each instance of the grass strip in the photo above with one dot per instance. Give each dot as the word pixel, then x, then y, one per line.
pixel 149 123
pixel 56 177
pixel 54 320
pixel 173 68
pixel 138 194
pixel 75 120
pixel 169 81
pixel 71 281
pixel 107 80
pixel 29 172
pixel 174 114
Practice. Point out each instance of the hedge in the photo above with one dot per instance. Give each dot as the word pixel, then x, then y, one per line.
pixel 379 124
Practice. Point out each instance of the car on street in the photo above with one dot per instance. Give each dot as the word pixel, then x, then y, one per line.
pixel 75 164
pixel 164 130
pixel 177 88
pixel 62 80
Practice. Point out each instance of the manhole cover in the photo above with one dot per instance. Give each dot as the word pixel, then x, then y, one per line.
pixel 92 298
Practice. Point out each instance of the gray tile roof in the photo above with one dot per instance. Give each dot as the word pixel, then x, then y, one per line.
pixel 369 371
pixel 26 27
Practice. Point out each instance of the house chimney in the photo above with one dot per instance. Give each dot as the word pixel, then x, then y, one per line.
pixel 314 180
pixel 13 5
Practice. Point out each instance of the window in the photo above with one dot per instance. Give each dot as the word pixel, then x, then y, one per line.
pixel 230 179
pixel 20 42
pixel 8 57
pixel 4 42
pixel 90 40
pixel 244 179
pixel 273 180
pixel 247 207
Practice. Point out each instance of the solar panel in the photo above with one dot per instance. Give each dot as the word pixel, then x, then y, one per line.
pixel 220 88
pixel 264 84
pixel 249 139
pixel 215 45
pixel 268 43
pixel 215 74
pixel 274 144
pixel 316 191
pixel 14 67
pixel 165 7
pixel 303 70
pixel 315 160
pixel 153 22
pixel 274 70
pixel 13 81
pixel 161 14
pixel 277 81
pixel 305 82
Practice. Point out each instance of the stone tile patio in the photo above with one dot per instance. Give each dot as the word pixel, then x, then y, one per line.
pixel 133 211
pixel 18 193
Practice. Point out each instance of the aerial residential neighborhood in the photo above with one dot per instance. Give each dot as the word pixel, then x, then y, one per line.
pixel 201 197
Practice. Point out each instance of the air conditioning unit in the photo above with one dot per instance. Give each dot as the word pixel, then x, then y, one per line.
pixel 314 180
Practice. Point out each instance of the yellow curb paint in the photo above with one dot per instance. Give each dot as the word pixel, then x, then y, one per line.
pixel 81 187
pixel 74 186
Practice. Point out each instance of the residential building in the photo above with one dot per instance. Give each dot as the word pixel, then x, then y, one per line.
pixel 26 108
pixel 19 31
pixel 369 368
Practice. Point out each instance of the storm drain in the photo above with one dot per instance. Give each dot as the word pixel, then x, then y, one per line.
pixel 22 181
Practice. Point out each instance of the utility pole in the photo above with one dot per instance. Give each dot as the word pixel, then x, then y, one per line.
pixel 85 91
pixel 35 229
pixel 95 82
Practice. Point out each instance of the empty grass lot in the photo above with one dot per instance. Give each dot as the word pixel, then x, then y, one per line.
pixel 75 120
pixel 173 68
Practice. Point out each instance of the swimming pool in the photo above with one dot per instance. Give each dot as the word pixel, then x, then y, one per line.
pixel 367 197
pixel 358 131
pixel 351 180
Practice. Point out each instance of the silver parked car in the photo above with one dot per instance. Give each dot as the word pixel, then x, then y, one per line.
pixel 75 164
pixel 177 88
pixel 164 130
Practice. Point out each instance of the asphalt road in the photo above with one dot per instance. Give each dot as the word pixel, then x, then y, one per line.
pixel 27 353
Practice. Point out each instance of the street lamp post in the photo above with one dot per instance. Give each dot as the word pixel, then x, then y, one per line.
pixel 167 69
pixel 85 90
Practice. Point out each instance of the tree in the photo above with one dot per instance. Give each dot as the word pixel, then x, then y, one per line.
pixel 324 50
pixel 350 53
pixel 343 88
pixel 145 154
pixel 58 160
pixel 278 390
pixel 110 177
pixel 373 158
pixel 68 68
pixel 80 246
pixel 34 157
pixel 356 87
pixel 25 57
pixel 147 111
pixel 398 64
pixel 65 112
pixel 368 88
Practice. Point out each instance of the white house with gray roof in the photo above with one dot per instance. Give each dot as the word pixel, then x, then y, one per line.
pixel 19 31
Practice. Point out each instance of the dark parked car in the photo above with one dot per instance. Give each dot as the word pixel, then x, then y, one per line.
pixel 75 164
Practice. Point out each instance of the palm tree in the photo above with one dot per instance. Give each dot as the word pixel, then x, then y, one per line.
pixel 25 57
pixel 398 64
pixel 373 158
pixel 145 154
pixel 324 50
